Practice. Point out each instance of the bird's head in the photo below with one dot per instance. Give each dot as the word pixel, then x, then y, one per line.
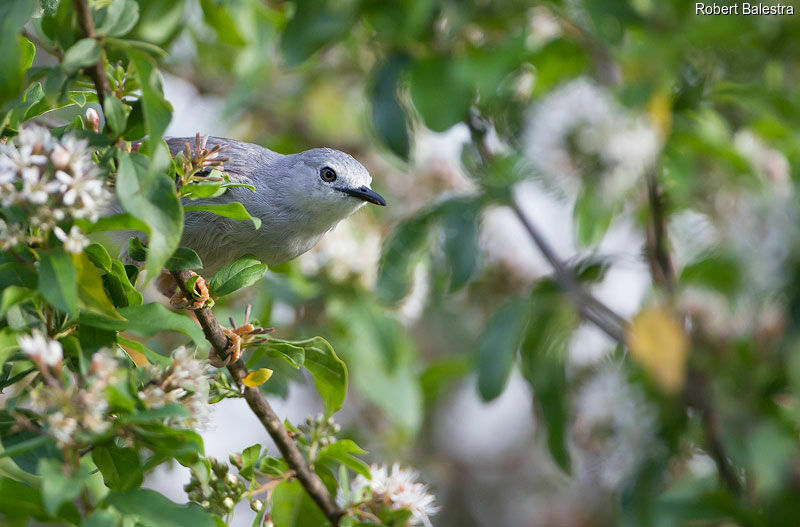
pixel 328 178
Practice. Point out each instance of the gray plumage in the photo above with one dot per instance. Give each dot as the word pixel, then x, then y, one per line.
pixel 295 204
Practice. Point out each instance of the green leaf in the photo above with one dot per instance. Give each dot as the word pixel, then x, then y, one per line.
pixel 233 210
pixel 58 487
pixel 13 295
pixel 399 256
pixel 116 113
pixel 148 319
pixel 498 346
pixel 156 415
pixel 18 500
pixel 183 258
pixel 119 18
pixel 17 50
pixel 388 116
pixel 592 218
pixel 58 281
pixel 152 356
pixel 720 272
pixel 120 466
pixel 83 53
pixel 344 451
pixel 151 198
pixel 293 507
pixel 240 273
pixel 154 510
pixel 219 17
pixel 102 518
pixel 117 222
pixel 119 287
pixel 249 460
pixel 157 111
pixel 442 97
pixel 201 190
pixel 327 370
pixel 272 466
pixel 91 294
pixel 98 256
pixel 24 446
pixel 461 243
pixel 315 24
pixel 543 351
pixel 294 355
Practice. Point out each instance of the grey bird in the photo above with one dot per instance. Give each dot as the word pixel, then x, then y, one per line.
pixel 298 198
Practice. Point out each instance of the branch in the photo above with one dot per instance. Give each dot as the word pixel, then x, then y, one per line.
pixel 261 408
pixel 98 71
pixel 658 256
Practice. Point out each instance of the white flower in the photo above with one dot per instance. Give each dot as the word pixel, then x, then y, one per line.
pixel 37 137
pixel 19 158
pixel 62 427
pixel 40 348
pixel 74 242
pixel 401 489
pixel 579 134
pixel 104 366
pixel 36 189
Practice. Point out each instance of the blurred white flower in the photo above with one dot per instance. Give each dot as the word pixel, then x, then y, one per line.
pixel 351 250
pixel 544 27
pixel 768 163
pixel 400 490
pixel 62 427
pixel 412 306
pixel 612 429
pixel 41 349
pixel 74 242
pixel 578 135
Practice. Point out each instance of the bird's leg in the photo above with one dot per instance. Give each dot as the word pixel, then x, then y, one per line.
pixel 243 336
pixel 200 296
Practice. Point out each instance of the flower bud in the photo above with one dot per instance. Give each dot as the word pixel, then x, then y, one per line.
pixel 256 505
pixel 236 460
pixel 93 120
pixel 231 479
pixel 228 504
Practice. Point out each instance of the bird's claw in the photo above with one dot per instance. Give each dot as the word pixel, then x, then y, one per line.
pixel 200 295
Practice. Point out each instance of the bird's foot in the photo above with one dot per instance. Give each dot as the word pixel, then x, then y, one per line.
pixel 199 298
pixel 241 337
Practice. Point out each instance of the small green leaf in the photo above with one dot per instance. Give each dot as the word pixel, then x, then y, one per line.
pixel 25 446
pixel 233 210
pixel 83 53
pixel 344 451
pixel 149 319
pixel 119 18
pixel 294 355
pixel 498 346
pixel 58 487
pixel 240 273
pixel 327 370
pixel 117 222
pixel 399 256
pixel 119 287
pixel 13 295
pixel 91 294
pixel 461 243
pixel 18 500
pixel 58 281
pixel 154 510
pixel 157 415
pixel 293 507
pixel 592 217
pixel 98 256
pixel 116 113
pixel 157 111
pixel 183 258
pixel 249 459
pixel 388 116
pixel 120 466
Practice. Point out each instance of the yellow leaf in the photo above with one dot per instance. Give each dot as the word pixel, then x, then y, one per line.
pixel 257 377
pixel 658 342
pixel 660 109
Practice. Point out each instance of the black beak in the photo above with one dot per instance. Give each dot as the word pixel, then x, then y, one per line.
pixel 365 193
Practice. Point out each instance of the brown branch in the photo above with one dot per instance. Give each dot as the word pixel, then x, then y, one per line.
pixel 97 71
pixel 262 409
pixel 661 267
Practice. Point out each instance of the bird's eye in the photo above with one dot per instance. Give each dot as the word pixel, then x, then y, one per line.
pixel 327 174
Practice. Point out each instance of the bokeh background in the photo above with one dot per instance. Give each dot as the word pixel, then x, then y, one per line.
pixel 628 132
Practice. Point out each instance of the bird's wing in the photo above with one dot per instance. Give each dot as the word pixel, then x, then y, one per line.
pixel 242 158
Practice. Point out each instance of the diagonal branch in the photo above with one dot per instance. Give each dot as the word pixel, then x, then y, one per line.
pixel 96 71
pixel 262 409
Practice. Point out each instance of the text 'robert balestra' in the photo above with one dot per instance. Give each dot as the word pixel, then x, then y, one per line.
pixel 743 9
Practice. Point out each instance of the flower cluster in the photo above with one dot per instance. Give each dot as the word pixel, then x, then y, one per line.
pixel 185 382
pixel 71 408
pixel 221 492
pixel 398 489
pixel 579 136
pixel 45 181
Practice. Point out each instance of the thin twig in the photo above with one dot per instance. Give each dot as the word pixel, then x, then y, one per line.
pixel 658 255
pixel 97 71
pixel 262 409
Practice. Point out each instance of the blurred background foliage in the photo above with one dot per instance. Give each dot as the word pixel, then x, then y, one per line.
pixel 655 149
